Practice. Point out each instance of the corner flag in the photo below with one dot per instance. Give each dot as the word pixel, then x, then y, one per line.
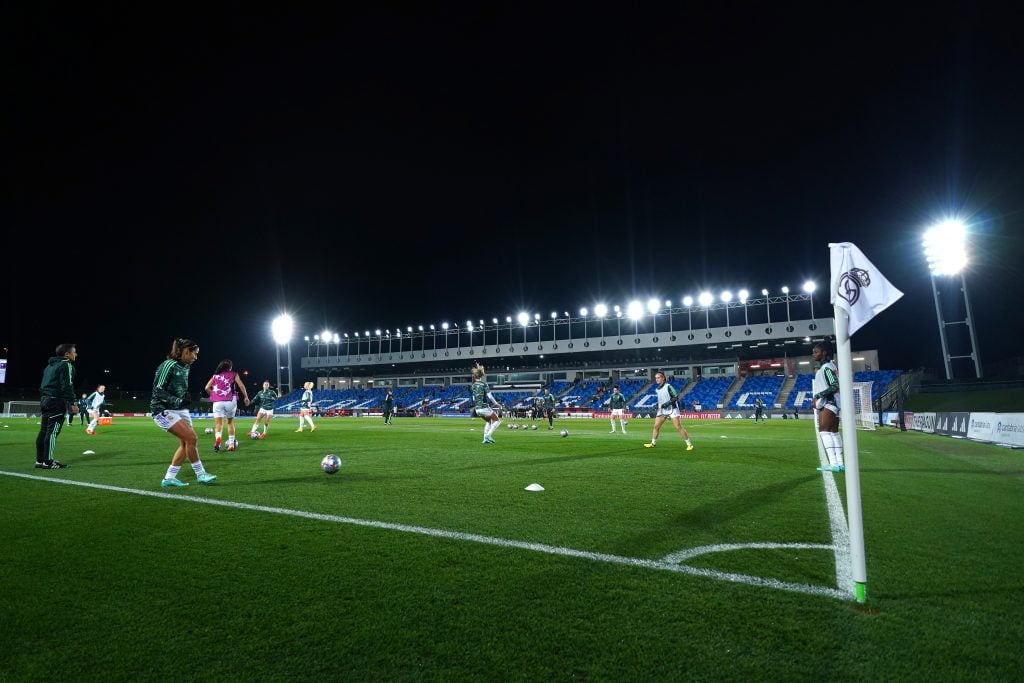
pixel 857 286
pixel 858 293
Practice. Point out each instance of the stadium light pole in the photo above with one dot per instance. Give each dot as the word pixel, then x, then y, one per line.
pixel 726 298
pixel 635 311
pixel 433 336
pixel 767 308
pixel 668 309
pixel 688 302
pixel 524 320
pixel 809 287
pixel 601 311
pixel 785 291
pixel 583 314
pixel 444 326
pixel 618 321
pixel 705 299
pixel 348 347
pixel 325 338
pixel 744 294
pixel 281 329
pixel 653 306
pixel 945 251
pixel 307 344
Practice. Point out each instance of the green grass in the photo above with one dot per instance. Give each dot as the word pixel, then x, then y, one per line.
pixel 114 585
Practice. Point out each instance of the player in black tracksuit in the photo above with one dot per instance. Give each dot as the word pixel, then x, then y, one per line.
pixel 56 399
pixel 389 406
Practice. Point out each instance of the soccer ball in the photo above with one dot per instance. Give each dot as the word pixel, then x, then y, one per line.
pixel 331 463
pixel 514 426
pixel 254 435
pixel 564 433
pixel 510 425
pixel 208 430
pixel 534 427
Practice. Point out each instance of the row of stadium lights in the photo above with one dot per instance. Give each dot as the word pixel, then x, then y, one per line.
pixel 282 326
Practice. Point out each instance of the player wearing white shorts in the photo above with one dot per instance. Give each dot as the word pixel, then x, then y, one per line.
pixel 484 404
pixel 169 406
pixel 306 407
pixel 617 403
pixel 667 409
pixel 95 400
pixel 264 402
pixel 223 389
pixel 826 406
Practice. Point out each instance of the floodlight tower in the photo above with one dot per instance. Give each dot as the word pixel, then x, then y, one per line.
pixel 281 329
pixel 635 310
pixel 946 252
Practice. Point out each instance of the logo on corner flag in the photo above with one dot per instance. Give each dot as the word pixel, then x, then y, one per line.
pixel 850 283
pixel 857 286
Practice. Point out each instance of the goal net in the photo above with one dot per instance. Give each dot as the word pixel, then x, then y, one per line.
pixel 862 405
pixel 21 409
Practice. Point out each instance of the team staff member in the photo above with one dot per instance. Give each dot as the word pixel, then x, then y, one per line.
pixel 56 399
pixel 618 405
pixel 264 402
pixel 549 407
pixel 667 409
pixel 169 406
pixel 389 406
pixel 83 408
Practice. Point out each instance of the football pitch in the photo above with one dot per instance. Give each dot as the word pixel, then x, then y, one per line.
pixel 425 558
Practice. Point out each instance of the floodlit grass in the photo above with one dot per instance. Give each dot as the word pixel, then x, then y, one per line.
pixel 115 585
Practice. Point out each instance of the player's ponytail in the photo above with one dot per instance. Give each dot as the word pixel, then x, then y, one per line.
pixel 478 371
pixel 224 366
pixel 179 346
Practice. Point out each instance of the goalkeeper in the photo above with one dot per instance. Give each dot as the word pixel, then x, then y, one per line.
pixel 668 398
pixel 169 406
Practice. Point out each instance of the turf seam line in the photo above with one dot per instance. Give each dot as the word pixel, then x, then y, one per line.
pixel 462 536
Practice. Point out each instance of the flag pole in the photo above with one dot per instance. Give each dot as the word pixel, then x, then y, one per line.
pixel 844 361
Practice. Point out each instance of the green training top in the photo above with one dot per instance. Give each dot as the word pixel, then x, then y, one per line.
pixel 617 402
pixel 58 379
pixel 264 400
pixel 170 387
pixel 480 395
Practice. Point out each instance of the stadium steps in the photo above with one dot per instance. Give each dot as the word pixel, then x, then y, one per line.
pixel 733 388
pixel 785 391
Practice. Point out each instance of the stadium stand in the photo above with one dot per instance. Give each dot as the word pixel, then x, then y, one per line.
pixel 708 393
pixel 802 394
pixel 648 400
pixel 765 388
pixel 628 387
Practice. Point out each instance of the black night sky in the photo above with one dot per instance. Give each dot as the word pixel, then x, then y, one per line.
pixel 193 172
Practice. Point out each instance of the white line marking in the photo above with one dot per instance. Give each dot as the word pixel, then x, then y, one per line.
pixel 840 531
pixel 474 538
pixel 683 555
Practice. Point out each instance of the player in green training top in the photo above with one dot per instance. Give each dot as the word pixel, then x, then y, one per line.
pixel 550 411
pixel 484 404
pixel 618 405
pixel 264 402
pixel 169 406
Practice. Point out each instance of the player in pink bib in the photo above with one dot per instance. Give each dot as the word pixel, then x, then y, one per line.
pixel 223 389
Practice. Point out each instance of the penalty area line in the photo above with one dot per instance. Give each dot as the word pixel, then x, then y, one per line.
pixel 559 551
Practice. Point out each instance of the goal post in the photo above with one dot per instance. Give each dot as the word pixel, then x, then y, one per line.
pixel 863 406
pixel 21 409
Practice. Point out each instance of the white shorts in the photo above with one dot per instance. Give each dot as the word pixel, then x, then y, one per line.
pixel 671 413
pixel 93 413
pixel 263 411
pixel 829 406
pixel 225 408
pixel 168 418
pixel 484 412
pixel 617 412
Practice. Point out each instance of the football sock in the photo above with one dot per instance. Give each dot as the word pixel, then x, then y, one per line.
pixel 198 468
pixel 255 425
pixel 216 435
pixel 654 441
pixel 309 419
pixel 837 442
pixel 264 429
pixel 622 424
pixel 231 439
pixel 92 424
pixel 687 442
pixel 301 423
pixel 488 429
pixel 826 441
pixel 172 472
pixel 613 423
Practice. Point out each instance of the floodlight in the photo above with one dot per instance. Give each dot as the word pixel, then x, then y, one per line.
pixel 744 295
pixel 635 310
pixel 366 333
pixel 431 327
pixel 944 247
pixel 726 296
pixel 554 315
pixel 536 316
pixel 705 299
pixel 281 328
pixel 508 318
pixel 316 337
pixel 357 334
pixel 785 290
pixel 687 301
pixel 668 303
pixel 600 310
pixel 583 312
pixel 377 332
pixel 617 309
pixel 337 338
pixel 325 335
pixel 306 338
pixel 809 287
pixel 653 305
pixel 409 328
pixel 566 314
pixel 398 332
pixel 482 323
pixel 469 324
pixel 346 335
pixel 523 318
pixel 444 326
pixel 618 314
pixel 764 292
pixel 421 328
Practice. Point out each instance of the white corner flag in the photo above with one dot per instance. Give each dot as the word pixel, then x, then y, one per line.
pixel 858 293
pixel 857 286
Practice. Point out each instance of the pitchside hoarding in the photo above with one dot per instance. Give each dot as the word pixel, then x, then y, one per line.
pixel 952 424
pixel 923 422
pixel 1009 429
pixel 1001 428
